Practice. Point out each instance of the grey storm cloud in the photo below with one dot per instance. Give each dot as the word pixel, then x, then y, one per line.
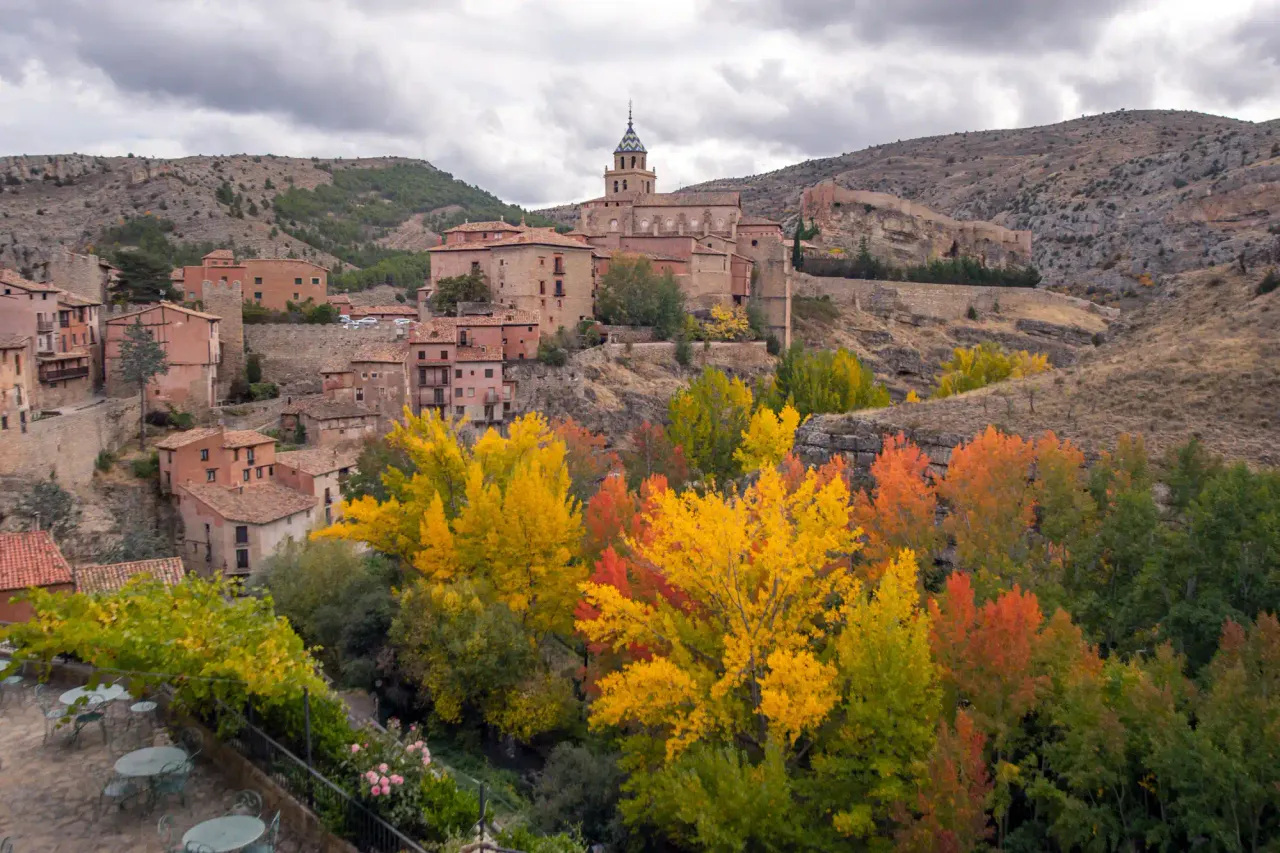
pixel 284 65
pixel 1004 26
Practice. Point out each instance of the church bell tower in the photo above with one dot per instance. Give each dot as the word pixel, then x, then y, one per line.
pixel 629 174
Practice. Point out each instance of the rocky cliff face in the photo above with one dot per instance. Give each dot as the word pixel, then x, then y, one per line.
pixel 1115 201
pixel 902 232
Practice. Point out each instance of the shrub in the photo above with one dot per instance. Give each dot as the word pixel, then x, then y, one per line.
pixel 253 368
pixel 986 364
pixel 684 351
pixel 105 460
pixel 1269 282
pixel 972 313
pixel 146 468
pixel 821 382
pixel 263 391
pixel 772 345
pixel 552 355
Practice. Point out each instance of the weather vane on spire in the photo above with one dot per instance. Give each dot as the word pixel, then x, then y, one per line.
pixel 628 111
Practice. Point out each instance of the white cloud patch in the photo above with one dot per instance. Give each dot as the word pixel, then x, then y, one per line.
pixel 526 98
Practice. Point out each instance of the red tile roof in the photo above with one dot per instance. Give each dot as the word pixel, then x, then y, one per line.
pixel 479 354
pixel 220 255
pixel 117 318
pixel 182 439
pixel 31 559
pixel 8 276
pixel 382 352
pixel 244 438
pixel 324 409
pixel 366 310
pixel 260 503
pixel 319 460
pixel 14 341
pixel 470 227
pixel 112 577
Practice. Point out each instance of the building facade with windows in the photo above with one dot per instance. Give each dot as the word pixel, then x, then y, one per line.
pixel 321 472
pixel 16 360
pixel 65 330
pixel 217 456
pixel 192 345
pixel 269 282
pixel 230 530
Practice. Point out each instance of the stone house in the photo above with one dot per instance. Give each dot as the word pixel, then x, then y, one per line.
pixel 382 313
pixel 16 360
pixel 326 421
pixel 269 282
pixel 27 560
pixel 191 342
pixel 380 381
pixel 321 472
pixel 215 455
pixel 230 530
pixel 456 363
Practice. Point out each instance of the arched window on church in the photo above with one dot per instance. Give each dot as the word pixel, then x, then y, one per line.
pixel 624 183
pixel 615 186
pixel 613 225
pixel 633 161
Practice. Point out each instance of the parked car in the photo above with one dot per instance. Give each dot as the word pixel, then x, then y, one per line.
pixel 367 321
pixel 403 321
pixel 344 318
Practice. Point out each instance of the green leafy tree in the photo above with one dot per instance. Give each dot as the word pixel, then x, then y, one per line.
pixel 338 599
pixel 632 294
pixel 48 506
pixel 708 419
pixel 822 382
pixel 377 457
pixel 471 287
pixel 797 253
pixel 253 368
pixel 139 540
pixel 143 278
pixel 142 359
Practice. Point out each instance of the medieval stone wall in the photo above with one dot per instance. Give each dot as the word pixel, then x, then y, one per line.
pixel 68 445
pixel 859 441
pixel 292 355
pixel 936 301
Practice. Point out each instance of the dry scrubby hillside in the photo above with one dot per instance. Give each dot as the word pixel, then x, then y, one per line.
pixel 1108 197
pixel 1202 359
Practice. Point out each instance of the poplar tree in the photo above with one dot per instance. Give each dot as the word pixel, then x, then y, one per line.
pixel 141 360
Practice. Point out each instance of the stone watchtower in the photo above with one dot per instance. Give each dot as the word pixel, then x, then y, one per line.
pixel 629 174
pixel 227 302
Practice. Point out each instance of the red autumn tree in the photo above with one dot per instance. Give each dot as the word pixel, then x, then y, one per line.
pixel 900 511
pixel 950 808
pixel 610 514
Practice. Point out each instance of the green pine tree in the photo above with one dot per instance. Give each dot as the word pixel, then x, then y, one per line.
pixel 141 360
pixel 797 256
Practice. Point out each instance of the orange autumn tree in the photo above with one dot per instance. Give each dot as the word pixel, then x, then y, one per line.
pixel 610 514
pixel 587 457
pixel 900 511
pixel 992 503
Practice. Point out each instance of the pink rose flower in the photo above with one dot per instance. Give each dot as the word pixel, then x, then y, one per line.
pixel 397 780
pixel 411 747
pixel 373 792
pixel 355 747
pixel 382 768
pixel 386 789
pixel 383 781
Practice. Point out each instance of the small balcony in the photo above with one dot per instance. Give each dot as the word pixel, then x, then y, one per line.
pixel 44 326
pixel 67 373
pixel 491 396
pixel 433 380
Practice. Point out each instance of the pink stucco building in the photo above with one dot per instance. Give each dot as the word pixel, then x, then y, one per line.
pixel 191 343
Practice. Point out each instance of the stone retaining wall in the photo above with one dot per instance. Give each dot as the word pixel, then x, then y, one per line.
pixel 68 445
pixel 293 354
pixel 937 301
pixel 860 440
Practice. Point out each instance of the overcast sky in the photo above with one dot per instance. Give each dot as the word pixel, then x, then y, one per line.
pixel 527 98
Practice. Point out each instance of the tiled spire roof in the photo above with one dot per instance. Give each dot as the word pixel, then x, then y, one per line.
pixel 630 143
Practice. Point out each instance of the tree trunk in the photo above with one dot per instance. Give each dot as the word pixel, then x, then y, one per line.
pixel 142 416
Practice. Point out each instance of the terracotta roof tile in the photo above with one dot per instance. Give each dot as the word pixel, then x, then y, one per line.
pixel 244 438
pixel 260 503
pixel 471 227
pixel 182 439
pixel 220 255
pixel 479 354
pixel 170 305
pixel 112 577
pixel 539 237
pixel 602 252
pixel 31 559
pixel 8 276
pixel 76 300
pixel 758 220
pixel 323 409
pixel 13 341
pixel 382 351
pixel 319 460
pixel 366 310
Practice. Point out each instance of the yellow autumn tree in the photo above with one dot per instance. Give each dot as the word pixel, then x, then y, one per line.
pixel 986 364
pixel 494 535
pixel 735 644
pixel 768 438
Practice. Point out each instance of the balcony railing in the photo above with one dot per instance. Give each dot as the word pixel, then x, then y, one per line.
pixel 44 325
pixel 59 375
pixel 435 381
pixel 491 396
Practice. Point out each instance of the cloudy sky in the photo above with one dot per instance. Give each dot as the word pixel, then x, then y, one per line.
pixel 527 98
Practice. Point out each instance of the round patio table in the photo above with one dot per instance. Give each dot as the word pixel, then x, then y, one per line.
pixel 147 762
pixel 225 834
pixel 95 695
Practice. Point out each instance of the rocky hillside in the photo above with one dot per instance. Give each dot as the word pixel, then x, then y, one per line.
pixel 1201 359
pixel 356 212
pixel 1110 198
